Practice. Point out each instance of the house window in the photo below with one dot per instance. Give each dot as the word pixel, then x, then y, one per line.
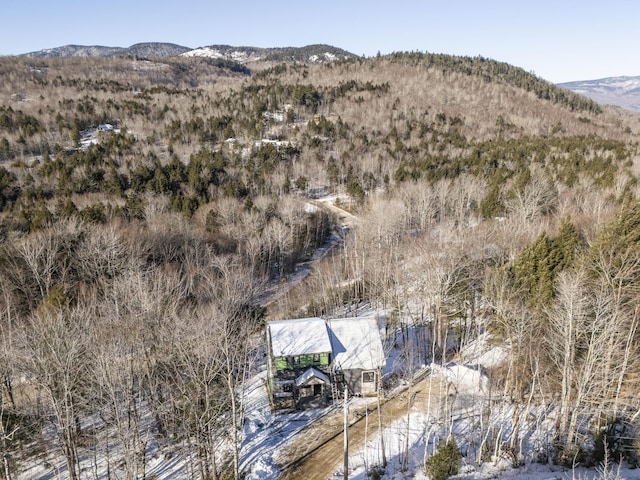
pixel 296 360
pixel 316 358
pixel 368 377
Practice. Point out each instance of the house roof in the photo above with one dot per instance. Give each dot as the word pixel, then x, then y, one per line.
pixel 356 343
pixel 309 374
pixel 302 336
pixel 353 342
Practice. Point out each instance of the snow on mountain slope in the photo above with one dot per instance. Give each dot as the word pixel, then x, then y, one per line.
pixel 240 56
pixel 310 53
pixel 620 91
pixel 148 49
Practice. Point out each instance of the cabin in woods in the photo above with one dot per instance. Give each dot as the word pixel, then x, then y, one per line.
pixel 311 360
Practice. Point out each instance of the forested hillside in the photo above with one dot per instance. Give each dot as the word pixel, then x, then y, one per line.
pixel 146 204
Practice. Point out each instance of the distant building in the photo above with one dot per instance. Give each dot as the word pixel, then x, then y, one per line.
pixel 311 360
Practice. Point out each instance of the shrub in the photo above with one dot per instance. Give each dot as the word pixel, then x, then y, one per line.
pixel 445 462
pixel 570 455
pixel 375 472
pixel 615 440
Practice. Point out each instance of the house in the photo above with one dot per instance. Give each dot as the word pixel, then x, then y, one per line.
pixel 311 360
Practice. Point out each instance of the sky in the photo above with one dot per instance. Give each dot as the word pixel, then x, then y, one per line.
pixel 558 40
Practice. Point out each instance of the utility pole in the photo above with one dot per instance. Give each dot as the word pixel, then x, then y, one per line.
pixel 346 435
pixel 405 460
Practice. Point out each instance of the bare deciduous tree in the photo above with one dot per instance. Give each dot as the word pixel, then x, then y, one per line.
pixel 200 396
pixel 537 198
pixel 233 319
pixel 54 354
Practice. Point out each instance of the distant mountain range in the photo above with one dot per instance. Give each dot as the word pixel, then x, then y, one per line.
pixel 310 53
pixel 150 49
pixel 620 91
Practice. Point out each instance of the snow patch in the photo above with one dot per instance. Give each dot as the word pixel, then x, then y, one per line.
pixel 210 52
pixel 463 378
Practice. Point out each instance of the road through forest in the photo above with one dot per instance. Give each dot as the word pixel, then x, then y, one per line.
pixel 280 289
pixel 317 452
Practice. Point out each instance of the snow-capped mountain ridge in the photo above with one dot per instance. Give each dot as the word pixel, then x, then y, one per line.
pixel 241 56
pixel 309 53
pixel 147 49
pixel 623 91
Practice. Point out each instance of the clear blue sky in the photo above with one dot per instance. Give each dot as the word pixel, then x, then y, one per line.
pixel 559 40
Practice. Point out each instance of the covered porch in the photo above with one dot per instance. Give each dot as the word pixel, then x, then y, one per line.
pixel 312 389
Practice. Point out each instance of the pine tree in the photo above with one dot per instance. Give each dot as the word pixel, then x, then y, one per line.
pixel 445 462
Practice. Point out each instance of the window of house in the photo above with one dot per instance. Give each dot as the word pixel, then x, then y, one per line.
pixel 316 358
pixel 368 377
pixel 296 360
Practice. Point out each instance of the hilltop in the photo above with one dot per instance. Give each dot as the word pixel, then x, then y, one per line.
pixel 619 91
pixel 309 53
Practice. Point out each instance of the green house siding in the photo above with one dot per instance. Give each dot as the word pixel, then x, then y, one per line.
pixel 302 361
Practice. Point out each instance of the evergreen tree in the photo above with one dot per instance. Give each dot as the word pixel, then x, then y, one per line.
pixel 618 242
pixel 445 462
pixel 538 266
pixel 491 205
pixel 76 136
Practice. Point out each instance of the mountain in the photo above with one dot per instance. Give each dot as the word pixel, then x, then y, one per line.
pixel 311 53
pixel 155 49
pixel 149 49
pixel 620 91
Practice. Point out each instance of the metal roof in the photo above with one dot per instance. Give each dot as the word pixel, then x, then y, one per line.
pixel 356 343
pixel 312 373
pixel 302 336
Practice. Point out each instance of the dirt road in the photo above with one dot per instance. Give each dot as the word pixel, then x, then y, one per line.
pixel 320 452
pixel 347 218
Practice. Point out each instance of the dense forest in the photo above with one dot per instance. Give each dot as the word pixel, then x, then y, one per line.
pixel 149 206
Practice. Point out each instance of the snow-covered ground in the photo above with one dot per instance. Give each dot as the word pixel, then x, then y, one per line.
pixel 469 411
pixel 267 433
pixel 240 56
pixel 462 410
